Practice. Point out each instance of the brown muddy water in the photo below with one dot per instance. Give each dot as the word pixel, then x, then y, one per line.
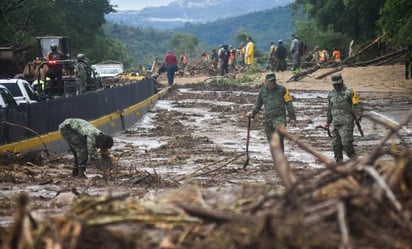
pixel 196 135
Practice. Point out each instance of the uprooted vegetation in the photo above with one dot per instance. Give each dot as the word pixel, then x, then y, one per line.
pixel 360 204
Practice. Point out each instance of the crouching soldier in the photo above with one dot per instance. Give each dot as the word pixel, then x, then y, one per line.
pixel 84 139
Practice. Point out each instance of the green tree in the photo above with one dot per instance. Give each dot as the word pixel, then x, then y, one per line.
pixel 396 21
pixel 356 19
pixel 23 20
pixel 241 36
pixel 180 42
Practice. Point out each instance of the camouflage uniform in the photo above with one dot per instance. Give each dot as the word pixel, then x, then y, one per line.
pixel 276 101
pixel 81 138
pixel 340 106
pixel 81 77
pixel 408 64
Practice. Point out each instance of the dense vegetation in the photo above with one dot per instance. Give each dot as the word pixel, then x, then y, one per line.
pixel 21 21
pixel 326 23
pixel 335 23
pixel 144 44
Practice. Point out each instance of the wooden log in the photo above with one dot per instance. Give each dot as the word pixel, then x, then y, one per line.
pixel 209 214
pixel 279 160
pixel 304 73
pixel 329 73
pixel 363 49
pixel 385 57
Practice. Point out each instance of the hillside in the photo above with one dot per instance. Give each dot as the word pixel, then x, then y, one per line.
pixel 273 24
pixel 145 43
pixel 178 13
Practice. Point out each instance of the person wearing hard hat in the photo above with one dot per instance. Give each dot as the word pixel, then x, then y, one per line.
pixel 80 70
pixel 55 71
pixel 344 108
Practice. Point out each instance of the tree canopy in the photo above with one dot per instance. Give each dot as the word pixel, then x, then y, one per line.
pixel 337 22
pixel 23 20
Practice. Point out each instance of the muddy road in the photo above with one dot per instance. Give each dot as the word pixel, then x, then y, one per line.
pixel 195 136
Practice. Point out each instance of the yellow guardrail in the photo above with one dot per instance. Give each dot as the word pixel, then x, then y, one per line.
pixel 109 119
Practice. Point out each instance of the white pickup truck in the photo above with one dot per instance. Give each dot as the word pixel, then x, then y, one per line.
pixel 108 71
pixel 6 99
pixel 21 90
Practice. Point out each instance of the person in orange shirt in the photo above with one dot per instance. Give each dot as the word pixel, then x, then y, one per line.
pixel 336 55
pixel 183 60
pixel 232 57
pixel 205 56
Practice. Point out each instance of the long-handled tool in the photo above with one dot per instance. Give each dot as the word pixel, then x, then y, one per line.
pixel 247 143
pixel 324 128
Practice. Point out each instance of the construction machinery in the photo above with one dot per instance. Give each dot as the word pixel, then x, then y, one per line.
pixel 39 68
pixel 65 84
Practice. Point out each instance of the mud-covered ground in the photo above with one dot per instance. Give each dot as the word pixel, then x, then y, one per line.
pixel 193 143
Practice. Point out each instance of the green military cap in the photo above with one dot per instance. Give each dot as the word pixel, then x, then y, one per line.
pixel 337 78
pixel 270 77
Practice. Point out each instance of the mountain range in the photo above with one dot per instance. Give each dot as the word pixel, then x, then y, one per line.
pixel 178 13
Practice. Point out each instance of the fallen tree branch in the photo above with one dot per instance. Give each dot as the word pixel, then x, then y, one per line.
pixel 279 160
pixel 208 214
pixel 395 54
pixel 32 131
pixel 329 73
pixel 375 153
pixel 329 163
pixel 363 49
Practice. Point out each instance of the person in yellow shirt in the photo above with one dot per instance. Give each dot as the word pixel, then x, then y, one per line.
pixel 272 57
pixel 249 51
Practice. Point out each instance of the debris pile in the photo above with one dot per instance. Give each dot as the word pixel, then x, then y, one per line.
pixel 338 66
pixel 363 203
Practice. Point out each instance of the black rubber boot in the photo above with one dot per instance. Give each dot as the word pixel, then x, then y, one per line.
pixel 82 171
pixel 75 171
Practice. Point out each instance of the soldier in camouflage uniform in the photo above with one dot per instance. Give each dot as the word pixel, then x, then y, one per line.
pixel 84 139
pixel 344 107
pixel 80 70
pixel 277 100
pixel 408 64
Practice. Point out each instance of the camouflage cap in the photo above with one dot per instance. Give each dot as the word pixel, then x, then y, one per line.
pixel 337 78
pixel 270 77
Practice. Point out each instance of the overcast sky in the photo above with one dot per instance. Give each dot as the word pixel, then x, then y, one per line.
pixel 138 4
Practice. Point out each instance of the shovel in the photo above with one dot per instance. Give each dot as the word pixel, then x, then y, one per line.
pixel 247 144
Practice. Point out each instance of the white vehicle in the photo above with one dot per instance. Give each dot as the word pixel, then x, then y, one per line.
pixel 6 99
pixel 108 69
pixel 21 90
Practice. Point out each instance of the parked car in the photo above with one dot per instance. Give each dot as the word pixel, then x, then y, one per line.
pixel 6 98
pixel 21 90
